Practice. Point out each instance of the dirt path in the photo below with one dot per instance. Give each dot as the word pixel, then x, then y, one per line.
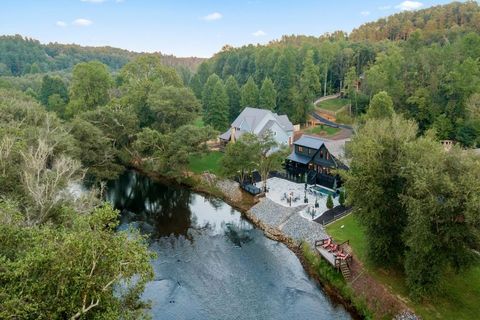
pixel 325 98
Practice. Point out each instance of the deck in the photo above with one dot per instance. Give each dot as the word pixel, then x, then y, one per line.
pixel 329 256
pixel 341 264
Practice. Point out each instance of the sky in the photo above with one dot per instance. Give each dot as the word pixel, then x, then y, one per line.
pixel 188 28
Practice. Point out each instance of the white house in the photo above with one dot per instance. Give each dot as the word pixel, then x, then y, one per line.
pixel 258 122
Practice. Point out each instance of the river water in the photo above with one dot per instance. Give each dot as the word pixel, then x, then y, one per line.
pixel 211 263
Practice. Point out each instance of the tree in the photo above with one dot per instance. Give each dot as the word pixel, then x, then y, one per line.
pixel 95 151
pixel 249 94
pixel 442 216
pixel 241 157
pixel 380 107
pixel 215 103
pixel 233 93
pixel 309 80
pixel 85 269
pixel 375 183
pixel 268 95
pixel 172 107
pixel 284 80
pixel 271 157
pixel 51 86
pixel 341 198
pixel 329 202
pixel 90 87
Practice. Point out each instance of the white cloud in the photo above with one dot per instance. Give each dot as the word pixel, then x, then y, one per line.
pixel 82 22
pixel 365 13
pixel 213 16
pixel 409 5
pixel 62 24
pixel 383 8
pixel 259 33
pixel 93 1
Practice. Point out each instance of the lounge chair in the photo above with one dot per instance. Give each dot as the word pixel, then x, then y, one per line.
pixel 327 243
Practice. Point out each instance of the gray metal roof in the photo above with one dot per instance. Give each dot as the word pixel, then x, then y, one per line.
pixel 252 116
pixel 284 122
pixel 299 158
pixel 227 134
pixel 266 127
pixel 309 142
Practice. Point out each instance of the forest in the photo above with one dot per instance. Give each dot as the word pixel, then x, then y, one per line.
pixel 72 115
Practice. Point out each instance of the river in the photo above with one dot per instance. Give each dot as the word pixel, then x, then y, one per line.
pixel 211 263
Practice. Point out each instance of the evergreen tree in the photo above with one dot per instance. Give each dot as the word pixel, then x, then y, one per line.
pixel 284 79
pixel 215 103
pixel 234 96
pixel 268 95
pixel 249 94
pixel 309 81
pixel 207 93
pixel 329 202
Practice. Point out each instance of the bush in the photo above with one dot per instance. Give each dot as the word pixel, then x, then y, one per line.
pixel 341 198
pixel 329 202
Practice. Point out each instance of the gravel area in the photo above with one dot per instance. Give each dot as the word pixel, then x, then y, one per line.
pixel 407 315
pixel 288 220
pixel 300 228
pixel 271 213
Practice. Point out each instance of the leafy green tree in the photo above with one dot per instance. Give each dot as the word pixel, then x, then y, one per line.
pixel 140 78
pixel 249 94
pixel 173 107
pixel 241 157
pixel 84 269
pixel 380 107
pixel 91 82
pixel 442 218
pixel 56 104
pixel 268 95
pixel 375 183
pixel 95 151
pixel 234 97
pixel 51 86
pixel 329 202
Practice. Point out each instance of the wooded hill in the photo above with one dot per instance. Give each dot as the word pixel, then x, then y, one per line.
pixel 427 61
pixel 19 56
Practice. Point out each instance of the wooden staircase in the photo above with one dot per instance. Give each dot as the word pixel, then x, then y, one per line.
pixel 345 269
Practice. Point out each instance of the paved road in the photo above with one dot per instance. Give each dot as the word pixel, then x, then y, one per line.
pixel 325 98
pixel 328 122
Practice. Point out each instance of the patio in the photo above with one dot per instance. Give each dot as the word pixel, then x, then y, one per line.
pixel 292 194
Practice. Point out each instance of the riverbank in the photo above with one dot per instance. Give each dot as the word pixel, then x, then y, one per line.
pixel 283 227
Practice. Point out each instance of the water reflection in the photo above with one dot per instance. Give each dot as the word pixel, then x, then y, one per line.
pixel 211 263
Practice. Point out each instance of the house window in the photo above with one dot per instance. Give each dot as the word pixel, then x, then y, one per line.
pixel 327 156
pixel 300 149
pixel 321 154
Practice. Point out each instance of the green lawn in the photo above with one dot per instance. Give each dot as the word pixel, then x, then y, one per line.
pixel 207 162
pixel 460 294
pixel 322 130
pixel 333 104
pixel 199 122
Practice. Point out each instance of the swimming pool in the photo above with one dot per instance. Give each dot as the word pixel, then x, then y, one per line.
pixel 323 190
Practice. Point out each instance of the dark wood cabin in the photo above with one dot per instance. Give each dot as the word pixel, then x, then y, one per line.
pixel 314 161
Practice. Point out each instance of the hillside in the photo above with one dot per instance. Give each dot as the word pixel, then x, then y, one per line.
pixel 20 55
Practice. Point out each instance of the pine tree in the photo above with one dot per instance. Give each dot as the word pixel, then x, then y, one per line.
pixel 216 112
pixel 249 94
pixel 309 81
pixel 233 93
pixel 284 79
pixel 207 93
pixel 268 95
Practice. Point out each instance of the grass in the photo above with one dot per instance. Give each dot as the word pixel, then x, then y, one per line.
pixel 199 122
pixel 207 162
pixel 460 292
pixel 322 130
pixel 333 104
pixel 344 117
